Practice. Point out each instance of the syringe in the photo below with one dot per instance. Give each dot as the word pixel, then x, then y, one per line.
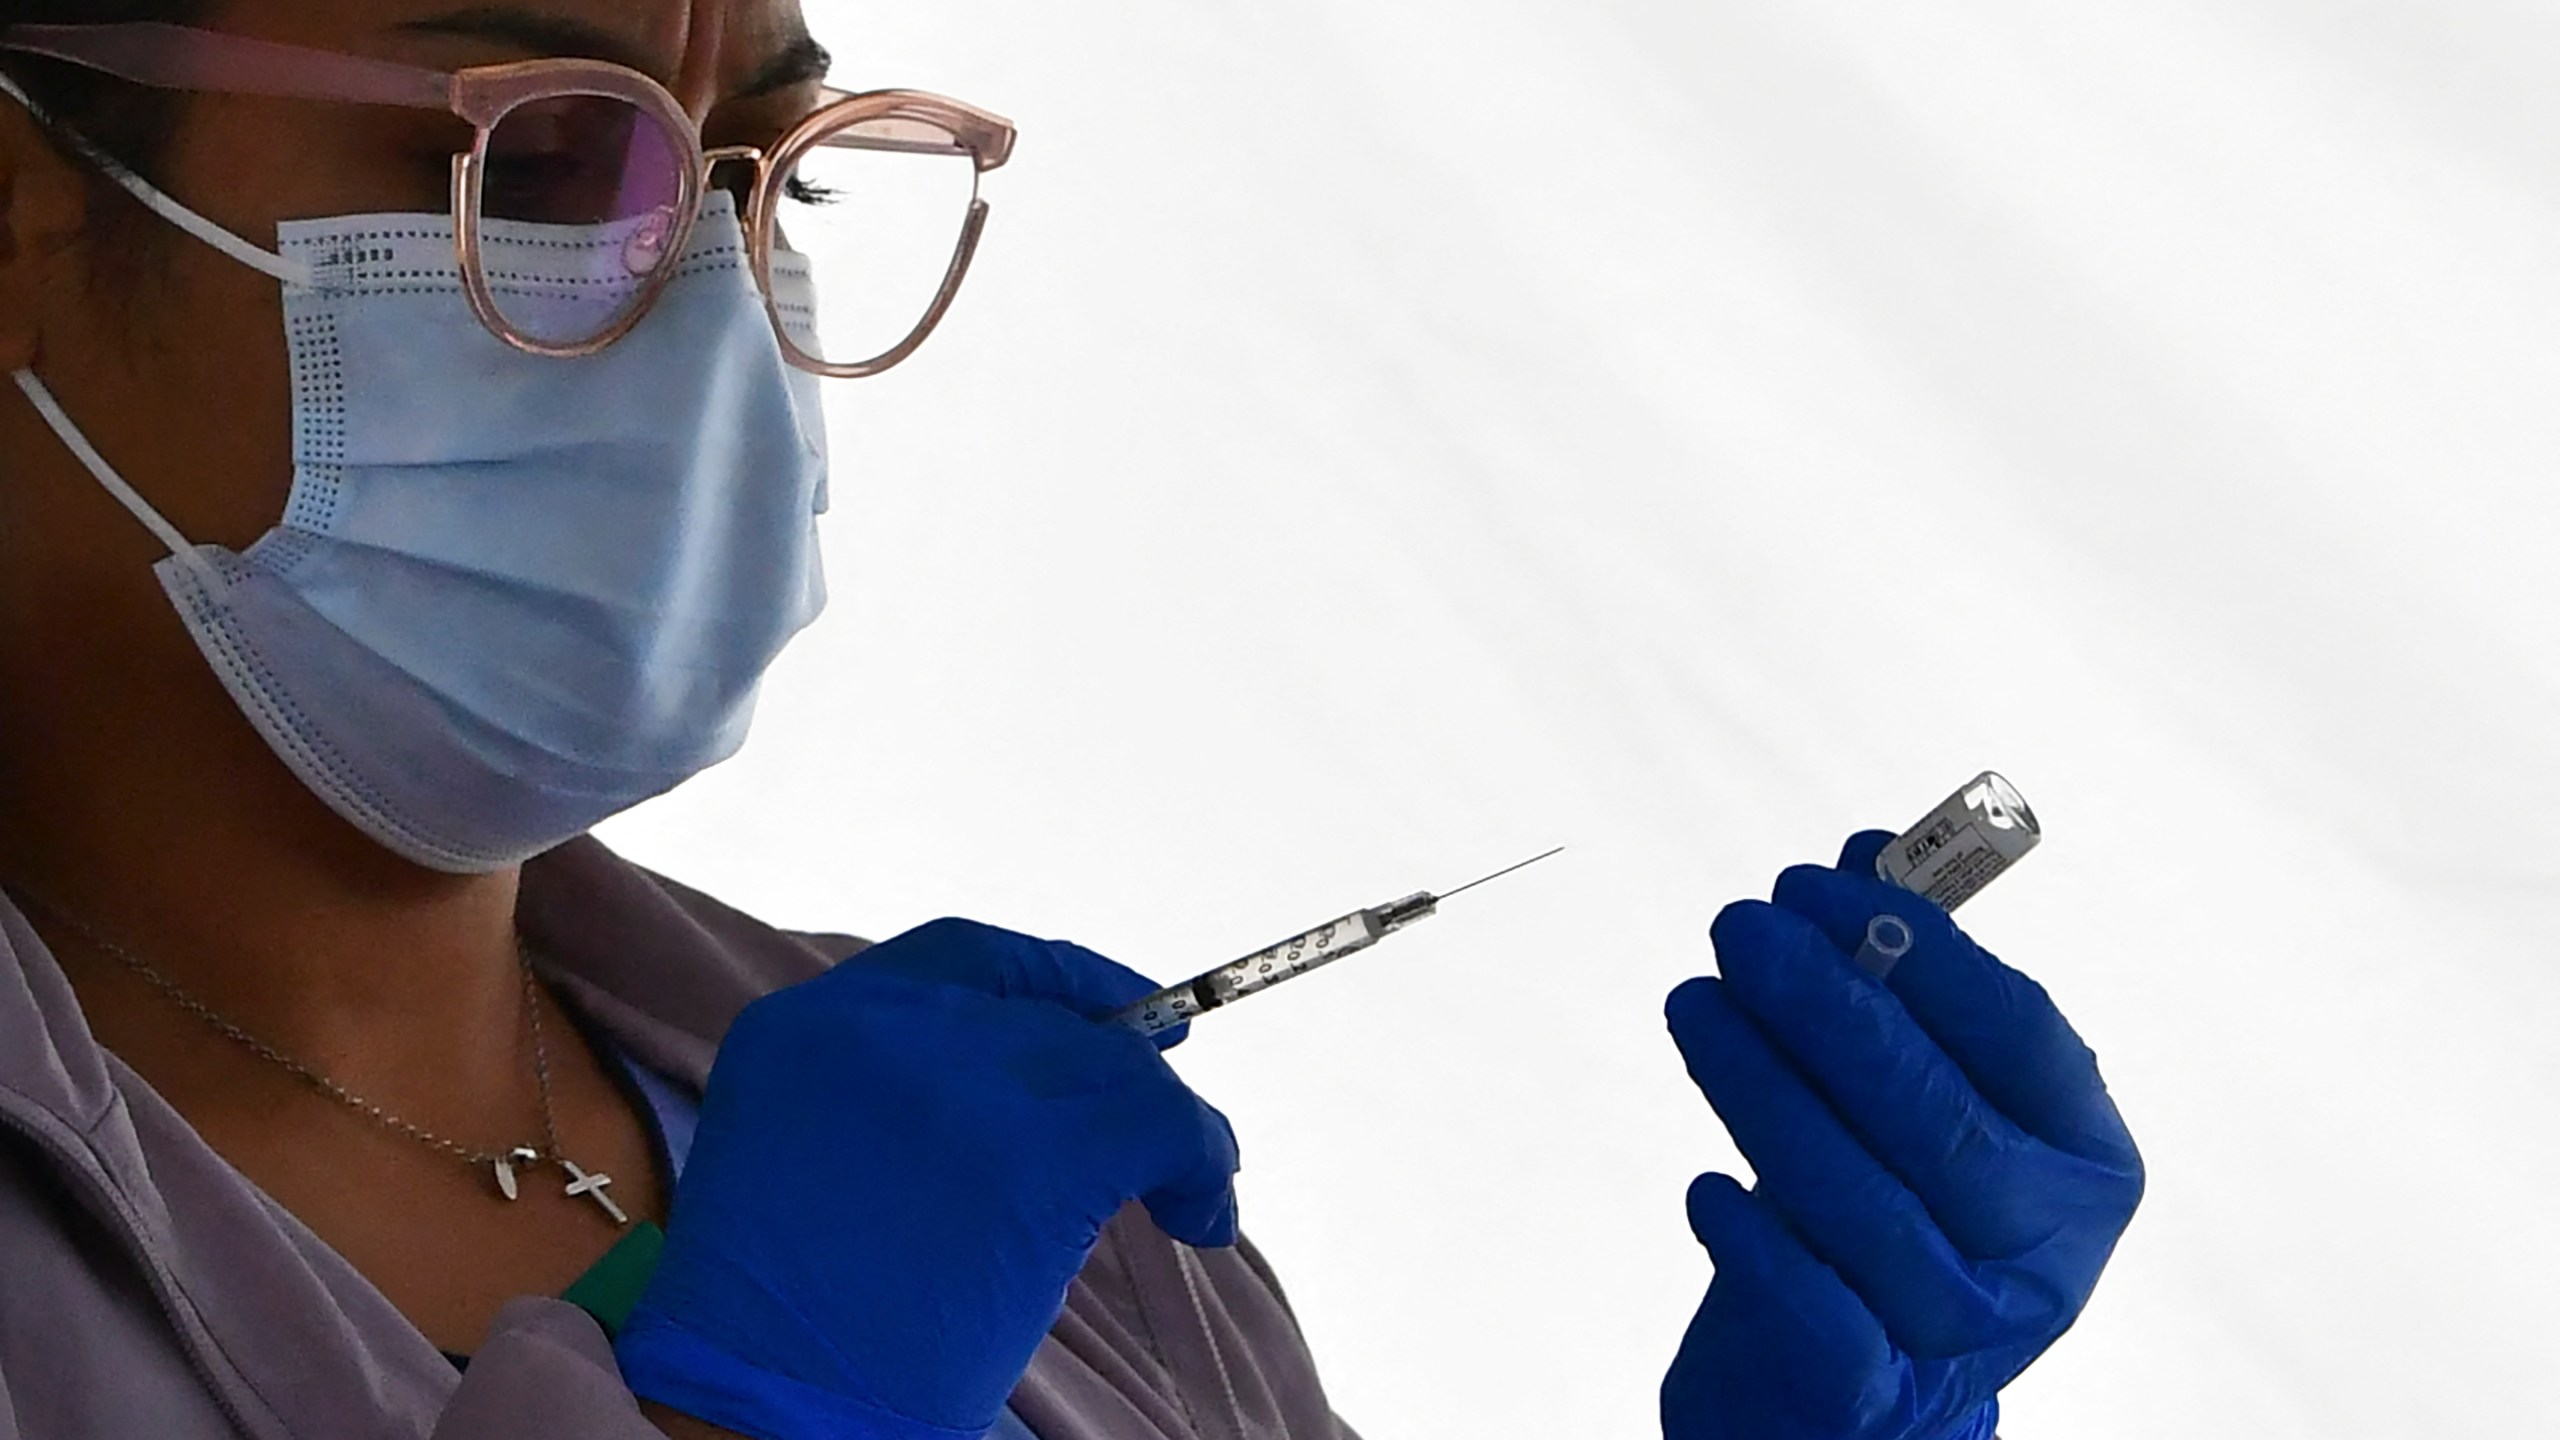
pixel 1292 957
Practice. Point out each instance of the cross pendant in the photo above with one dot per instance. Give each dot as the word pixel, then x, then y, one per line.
pixel 592 1186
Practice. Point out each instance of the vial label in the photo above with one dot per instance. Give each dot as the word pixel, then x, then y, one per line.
pixel 1964 844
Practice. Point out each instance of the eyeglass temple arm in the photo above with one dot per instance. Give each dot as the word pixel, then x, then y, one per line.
pixel 178 57
pixel 851 141
pixel 984 135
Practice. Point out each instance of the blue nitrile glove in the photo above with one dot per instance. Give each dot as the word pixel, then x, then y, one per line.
pixel 1941 1173
pixel 901 1165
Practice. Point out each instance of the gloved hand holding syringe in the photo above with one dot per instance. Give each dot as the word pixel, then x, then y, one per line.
pixel 1948 857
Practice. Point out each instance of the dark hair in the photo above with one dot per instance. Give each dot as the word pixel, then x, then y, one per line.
pixel 126 123
pixel 129 122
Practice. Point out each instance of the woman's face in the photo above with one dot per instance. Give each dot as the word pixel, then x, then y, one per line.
pixel 171 356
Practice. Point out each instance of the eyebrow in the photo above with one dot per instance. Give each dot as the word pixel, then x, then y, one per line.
pixel 799 62
pixel 802 62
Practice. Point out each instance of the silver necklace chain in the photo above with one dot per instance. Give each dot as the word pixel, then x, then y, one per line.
pixel 331 1088
pixel 502 1164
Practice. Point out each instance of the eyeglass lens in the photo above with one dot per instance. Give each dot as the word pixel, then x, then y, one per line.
pixel 867 224
pixel 578 202
pixel 578 199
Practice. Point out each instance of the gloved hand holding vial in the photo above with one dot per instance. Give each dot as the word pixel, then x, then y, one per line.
pixel 1940 1173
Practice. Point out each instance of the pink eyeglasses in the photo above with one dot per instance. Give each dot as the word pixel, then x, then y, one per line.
pixel 875 194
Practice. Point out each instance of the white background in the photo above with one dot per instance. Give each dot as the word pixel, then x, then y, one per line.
pixel 1383 439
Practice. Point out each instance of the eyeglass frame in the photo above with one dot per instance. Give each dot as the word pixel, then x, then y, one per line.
pixel 196 60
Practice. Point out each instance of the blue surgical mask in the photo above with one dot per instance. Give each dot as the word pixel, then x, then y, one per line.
pixel 510 595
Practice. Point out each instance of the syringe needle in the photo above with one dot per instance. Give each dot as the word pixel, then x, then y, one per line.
pixel 1498 874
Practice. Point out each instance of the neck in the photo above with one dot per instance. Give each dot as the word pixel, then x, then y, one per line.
pixel 136 800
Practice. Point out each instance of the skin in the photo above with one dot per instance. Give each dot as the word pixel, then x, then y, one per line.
pixel 136 796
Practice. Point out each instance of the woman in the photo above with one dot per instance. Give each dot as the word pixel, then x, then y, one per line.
pixel 330 1048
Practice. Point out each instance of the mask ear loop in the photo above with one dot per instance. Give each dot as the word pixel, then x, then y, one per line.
pixel 163 204
pixel 291 272
pixel 59 421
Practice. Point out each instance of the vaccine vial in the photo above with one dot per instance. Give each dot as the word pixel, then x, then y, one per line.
pixel 1964 844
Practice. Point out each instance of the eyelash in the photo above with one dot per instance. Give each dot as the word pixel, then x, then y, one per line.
pixel 808 194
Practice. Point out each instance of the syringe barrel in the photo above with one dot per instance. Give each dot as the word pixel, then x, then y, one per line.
pixel 1260 970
